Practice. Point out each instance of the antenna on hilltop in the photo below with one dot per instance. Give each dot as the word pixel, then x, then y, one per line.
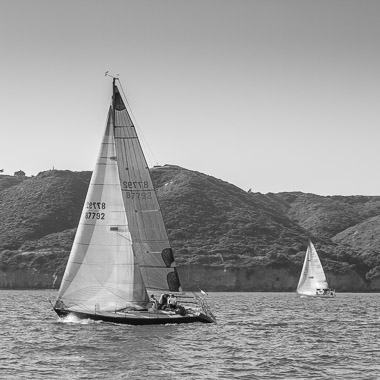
pixel 107 74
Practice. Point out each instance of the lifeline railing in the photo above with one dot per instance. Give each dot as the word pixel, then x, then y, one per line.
pixel 202 302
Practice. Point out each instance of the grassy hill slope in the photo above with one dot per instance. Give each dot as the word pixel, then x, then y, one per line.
pixel 211 224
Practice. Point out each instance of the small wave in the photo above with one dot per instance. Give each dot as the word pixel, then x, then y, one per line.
pixel 278 324
pixel 74 319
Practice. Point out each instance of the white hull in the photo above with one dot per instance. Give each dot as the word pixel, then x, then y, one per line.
pixel 330 296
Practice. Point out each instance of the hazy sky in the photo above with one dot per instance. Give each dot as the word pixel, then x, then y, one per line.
pixel 273 95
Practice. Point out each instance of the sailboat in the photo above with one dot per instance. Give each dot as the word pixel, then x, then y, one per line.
pixel 312 282
pixel 121 267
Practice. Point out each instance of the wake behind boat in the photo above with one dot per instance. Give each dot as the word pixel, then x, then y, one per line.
pixel 312 282
pixel 121 267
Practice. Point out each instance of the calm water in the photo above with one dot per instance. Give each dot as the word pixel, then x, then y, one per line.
pixel 258 336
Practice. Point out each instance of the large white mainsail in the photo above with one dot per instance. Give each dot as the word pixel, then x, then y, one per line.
pixel 146 225
pixel 121 248
pixel 312 276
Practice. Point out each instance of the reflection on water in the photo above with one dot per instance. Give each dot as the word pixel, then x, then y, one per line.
pixel 258 336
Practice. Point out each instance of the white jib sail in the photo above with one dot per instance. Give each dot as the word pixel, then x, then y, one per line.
pixel 101 274
pixel 312 276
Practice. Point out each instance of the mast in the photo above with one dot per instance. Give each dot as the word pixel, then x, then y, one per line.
pixel 113 100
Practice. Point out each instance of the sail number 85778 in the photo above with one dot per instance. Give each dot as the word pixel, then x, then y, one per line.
pixel 95 205
pixel 137 190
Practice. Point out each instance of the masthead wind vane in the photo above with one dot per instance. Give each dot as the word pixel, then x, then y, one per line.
pixel 107 74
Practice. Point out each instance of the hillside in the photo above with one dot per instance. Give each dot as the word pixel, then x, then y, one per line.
pixel 224 238
pixel 207 217
pixel 48 203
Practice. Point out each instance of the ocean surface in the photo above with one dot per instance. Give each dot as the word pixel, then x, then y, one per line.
pixel 258 336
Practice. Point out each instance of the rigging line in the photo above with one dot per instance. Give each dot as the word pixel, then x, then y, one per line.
pixel 134 121
pixel 119 234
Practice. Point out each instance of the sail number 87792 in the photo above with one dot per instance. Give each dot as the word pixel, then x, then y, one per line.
pixel 95 207
pixel 95 215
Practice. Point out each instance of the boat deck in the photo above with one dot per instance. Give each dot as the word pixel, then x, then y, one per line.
pixel 145 317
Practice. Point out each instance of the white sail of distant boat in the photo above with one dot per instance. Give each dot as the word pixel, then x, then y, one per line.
pixel 312 282
pixel 121 253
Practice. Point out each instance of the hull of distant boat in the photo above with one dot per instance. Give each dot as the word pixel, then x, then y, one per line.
pixel 137 317
pixel 327 296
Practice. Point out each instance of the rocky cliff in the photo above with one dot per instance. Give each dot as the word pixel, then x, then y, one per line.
pixel 211 278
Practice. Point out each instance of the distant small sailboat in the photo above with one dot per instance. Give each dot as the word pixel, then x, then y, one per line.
pixel 312 282
pixel 121 259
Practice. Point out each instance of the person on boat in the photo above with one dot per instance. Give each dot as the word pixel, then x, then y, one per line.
pixel 180 310
pixel 154 302
pixel 172 301
pixel 162 302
